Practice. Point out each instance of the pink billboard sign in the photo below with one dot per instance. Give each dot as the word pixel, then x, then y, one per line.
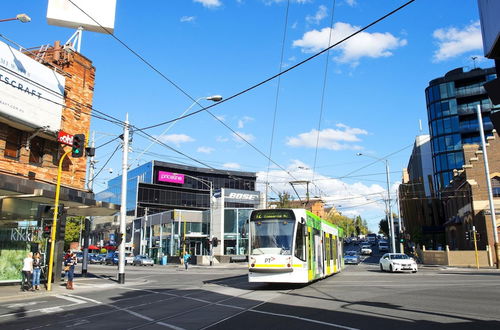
pixel 170 177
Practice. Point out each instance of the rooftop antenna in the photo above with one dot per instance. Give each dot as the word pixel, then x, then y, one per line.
pixel 474 58
pixel 420 126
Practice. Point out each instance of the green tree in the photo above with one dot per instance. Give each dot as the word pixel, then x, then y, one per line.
pixel 384 227
pixel 285 200
pixel 74 226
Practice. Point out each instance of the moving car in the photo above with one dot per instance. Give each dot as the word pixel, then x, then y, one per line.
pixel 142 260
pixel 129 258
pixel 366 249
pixel 351 257
pixel 397 262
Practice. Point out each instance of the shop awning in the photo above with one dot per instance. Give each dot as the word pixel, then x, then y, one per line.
pixel 76 202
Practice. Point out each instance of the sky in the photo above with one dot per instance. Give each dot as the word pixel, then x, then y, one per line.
pixel 366 95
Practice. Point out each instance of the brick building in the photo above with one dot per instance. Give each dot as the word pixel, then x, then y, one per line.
pixel 42 92
pixel 466 198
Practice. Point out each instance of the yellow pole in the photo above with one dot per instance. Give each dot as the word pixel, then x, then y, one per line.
pixel 475 246
pixel 54 222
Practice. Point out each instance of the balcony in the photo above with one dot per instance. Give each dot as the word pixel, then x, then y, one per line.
pixel 470 110
pixel 462 92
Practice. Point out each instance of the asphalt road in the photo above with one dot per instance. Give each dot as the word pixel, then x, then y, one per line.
pixel 361 297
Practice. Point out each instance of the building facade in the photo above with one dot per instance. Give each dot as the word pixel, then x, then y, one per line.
pixel 181 207
pixel 420 207
pixel 43 93
pixel 451 109
pixel 466 199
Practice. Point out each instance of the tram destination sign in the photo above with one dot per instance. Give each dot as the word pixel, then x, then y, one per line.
pixel 272 214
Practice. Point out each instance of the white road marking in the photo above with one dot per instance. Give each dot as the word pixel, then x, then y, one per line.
pixel 51 310
pixel 80 322
pixel 84 298
pixel 31 303
pixel 70 298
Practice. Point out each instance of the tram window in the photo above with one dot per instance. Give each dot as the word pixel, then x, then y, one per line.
pixel 300 242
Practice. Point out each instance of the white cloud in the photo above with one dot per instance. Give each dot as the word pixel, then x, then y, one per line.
pixel 270 2
pixel 187 19
pixel 318 17
pixel 205 150
pixel 221 139
pixel 237 137
pixel 176 139
pixel 221 117
pixel 351 3
pixel 244 120
pixel 209 3
pixel 350 198
pixel 453 42
pixel 341 138
pixel 234 166
pixel 363 44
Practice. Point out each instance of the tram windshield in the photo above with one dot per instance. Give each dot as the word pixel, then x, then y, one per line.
pixel 271 236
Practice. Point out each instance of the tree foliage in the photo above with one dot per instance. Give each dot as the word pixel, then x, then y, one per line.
pixel 285 200
pixel 74 226
pixel 384 227
pixel 349 225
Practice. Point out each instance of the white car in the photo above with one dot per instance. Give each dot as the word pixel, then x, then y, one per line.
pixel 397 262
pixel 366 249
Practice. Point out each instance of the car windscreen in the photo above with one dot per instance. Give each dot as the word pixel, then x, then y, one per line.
pixel 399 256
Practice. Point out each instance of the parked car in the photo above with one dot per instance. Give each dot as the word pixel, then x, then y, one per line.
pixel 397 262
pixel 351 257
pixel 366 249
pixel 142 260
pixel 129 258
pixel 96 259
pixel 79 257
pixel 111 259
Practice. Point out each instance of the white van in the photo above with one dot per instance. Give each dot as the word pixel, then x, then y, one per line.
pixel 383 246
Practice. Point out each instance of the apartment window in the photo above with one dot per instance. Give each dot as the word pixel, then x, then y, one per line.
pixel 12 143
pixel 36 151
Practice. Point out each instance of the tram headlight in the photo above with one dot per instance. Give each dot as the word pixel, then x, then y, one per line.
pixel 252 262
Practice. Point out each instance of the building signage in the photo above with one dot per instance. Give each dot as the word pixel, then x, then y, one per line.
pixel 170 177
pixel 232 195
pixel 65 138
pixel 30 93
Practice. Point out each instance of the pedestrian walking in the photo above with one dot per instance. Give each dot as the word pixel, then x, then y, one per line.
pixel 26 272
pixel 69 267
pixel 187 259
pixel 37 270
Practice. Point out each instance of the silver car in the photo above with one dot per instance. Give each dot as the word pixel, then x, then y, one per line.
pixel 143 260
pixel 351 257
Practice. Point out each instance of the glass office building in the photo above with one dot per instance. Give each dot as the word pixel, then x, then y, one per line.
pixel 452 103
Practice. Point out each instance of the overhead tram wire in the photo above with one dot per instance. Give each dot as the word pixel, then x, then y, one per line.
pixel 106 163
pixel 244 91
pixel 284 71
pixel 184 92
pixel 285 29
pixel 325 79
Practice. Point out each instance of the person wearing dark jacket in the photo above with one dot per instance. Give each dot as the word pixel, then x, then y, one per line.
pixel 69 266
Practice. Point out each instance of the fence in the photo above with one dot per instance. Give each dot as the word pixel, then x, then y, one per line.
pixel 455 258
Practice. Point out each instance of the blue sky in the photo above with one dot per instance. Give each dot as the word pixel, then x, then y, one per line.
pixel 372 102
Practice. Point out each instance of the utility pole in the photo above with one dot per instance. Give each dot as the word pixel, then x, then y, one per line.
pixel 488 185
pixel 123 207
pixel 389 218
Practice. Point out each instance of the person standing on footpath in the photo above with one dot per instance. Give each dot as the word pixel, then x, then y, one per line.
pixel 69 267
pixel 37 269
pixel 26 272
pixel 187 259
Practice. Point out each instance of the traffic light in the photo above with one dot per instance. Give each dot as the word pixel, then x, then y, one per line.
pixel 78 145
pixel 47 228
pixel 44 211
pixel 467 235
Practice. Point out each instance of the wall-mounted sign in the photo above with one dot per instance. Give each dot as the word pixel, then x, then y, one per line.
pixel 30 93
pixel 170 177
pixel 233 195
pixel 65 138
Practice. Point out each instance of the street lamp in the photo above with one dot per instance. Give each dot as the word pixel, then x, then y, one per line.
pixel 210 185
pixel 213 98
pixel 23 18
pixel 388 206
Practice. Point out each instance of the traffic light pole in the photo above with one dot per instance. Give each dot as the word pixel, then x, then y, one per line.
pixel 123 207
pixel 54 223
